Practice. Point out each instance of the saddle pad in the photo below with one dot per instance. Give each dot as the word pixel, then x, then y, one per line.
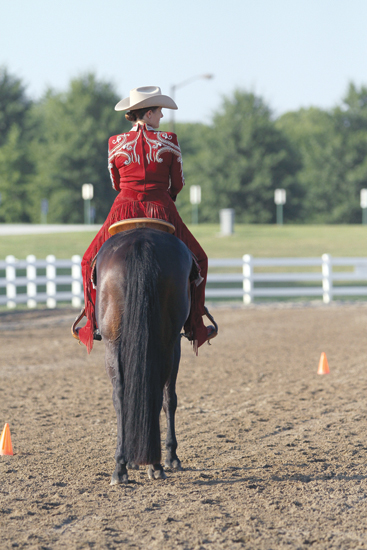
pixel 136 223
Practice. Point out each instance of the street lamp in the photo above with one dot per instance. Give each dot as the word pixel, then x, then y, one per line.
pixel 87 194
pixel 195 199
pixel 280 197
pixel 180 85
pixel 44 210
pixel 364 205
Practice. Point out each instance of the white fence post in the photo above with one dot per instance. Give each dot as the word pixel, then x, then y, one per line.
pixel 31 285
pixel 51 284
pixel 247 271
pixel 327 278
pixel 10 274
pixel 76 287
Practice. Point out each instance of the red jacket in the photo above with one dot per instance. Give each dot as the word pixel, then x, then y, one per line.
pixel 146 159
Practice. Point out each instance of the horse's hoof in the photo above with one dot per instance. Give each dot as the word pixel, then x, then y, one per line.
pixel 119 480
pixel 174 465
pixel 132 466
pixel 156 473
pixel 119 476
pixel 122 481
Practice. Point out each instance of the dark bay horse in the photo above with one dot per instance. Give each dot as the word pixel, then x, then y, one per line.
pixel 143 300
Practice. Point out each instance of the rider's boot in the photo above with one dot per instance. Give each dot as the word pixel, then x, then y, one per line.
pixel 97 335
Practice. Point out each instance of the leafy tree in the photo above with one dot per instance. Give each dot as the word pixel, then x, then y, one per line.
pixel 15 163
pixel 15 168
pixel 71 149
pixel 193 139
pixel 351 125
pixel 312 133
pixel 50 148
pixel 333 149
pixel 245 159
pixel 14 104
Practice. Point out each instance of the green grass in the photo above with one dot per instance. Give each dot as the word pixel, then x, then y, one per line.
pixel 62 245
pixel 258 240
pixel 284 241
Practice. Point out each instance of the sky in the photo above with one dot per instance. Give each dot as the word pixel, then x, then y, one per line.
pixel 292 53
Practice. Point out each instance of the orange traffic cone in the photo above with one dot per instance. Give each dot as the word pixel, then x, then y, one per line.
pixel 323 365
pixel 6 447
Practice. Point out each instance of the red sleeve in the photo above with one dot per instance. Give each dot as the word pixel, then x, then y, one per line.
pixel 114 173
pixel 176 173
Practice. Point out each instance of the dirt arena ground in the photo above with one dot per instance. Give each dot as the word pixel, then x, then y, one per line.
pixel 274 455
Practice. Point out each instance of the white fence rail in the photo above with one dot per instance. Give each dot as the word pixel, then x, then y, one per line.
pixel 33 281
pixel 323 281
pixel 52 281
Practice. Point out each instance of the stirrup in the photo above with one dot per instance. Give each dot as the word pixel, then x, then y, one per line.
pixel 213 329
pixel 212 333
pixel 74 329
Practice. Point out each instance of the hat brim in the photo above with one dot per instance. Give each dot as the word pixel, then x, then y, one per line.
pixel 156 101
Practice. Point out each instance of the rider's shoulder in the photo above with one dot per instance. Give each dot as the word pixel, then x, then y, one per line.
pixel 169 135
pixel 115 140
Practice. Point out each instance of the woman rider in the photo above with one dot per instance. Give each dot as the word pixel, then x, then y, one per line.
pixel 146 168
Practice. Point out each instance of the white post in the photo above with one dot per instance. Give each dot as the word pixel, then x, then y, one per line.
pixel 247 271
pixel 31 285
pixel 327 278
pixel 10 274
pixel 87 194
pixel 76 287
pixel 364 205
pixel 226 216
pixel 51 281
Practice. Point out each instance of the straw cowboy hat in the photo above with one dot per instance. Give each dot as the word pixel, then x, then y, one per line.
pixel 146 96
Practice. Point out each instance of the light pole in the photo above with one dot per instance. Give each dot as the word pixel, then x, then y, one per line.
pixel 44 210
pixel 174 87
pixel 364 205
pixel 87 194
pixel 195 199
pixel 280 197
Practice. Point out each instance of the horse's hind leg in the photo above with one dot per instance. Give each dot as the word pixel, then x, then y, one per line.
pixel 120 473
pixel 169 407
pixel 111 358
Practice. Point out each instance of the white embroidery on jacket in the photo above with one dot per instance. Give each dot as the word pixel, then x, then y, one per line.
pixel 126 148
pixel 122 147
pixel 162 144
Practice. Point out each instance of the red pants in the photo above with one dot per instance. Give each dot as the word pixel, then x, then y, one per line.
pixel 153 204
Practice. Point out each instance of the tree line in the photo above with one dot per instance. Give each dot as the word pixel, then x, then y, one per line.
pixel 50 147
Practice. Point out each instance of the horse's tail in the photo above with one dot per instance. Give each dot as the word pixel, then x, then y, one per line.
pixel 140 356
